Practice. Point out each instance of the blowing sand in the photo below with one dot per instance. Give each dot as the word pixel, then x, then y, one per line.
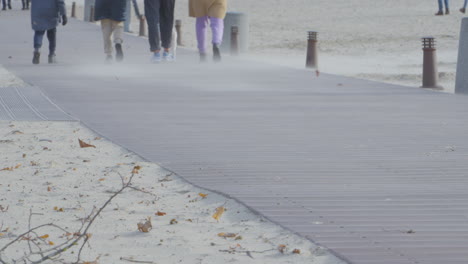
pixel 377 40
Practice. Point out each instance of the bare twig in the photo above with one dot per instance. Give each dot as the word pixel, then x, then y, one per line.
pixel 137 261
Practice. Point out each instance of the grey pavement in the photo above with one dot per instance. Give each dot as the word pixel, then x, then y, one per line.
pixel 377 173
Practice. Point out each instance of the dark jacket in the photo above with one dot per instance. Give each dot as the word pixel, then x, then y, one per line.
pixel 110 9
pixel 46 14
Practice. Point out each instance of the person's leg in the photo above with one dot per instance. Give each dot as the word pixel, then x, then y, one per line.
pixel 167 22
pixel 4 4
pixel 23 3
pixel 201 25
pixel 217 29
pixel 9 4
pixel 106 28
pixel 152 19
pixel 38 36
pixel 118 29
pixel 52 37
pixel 447 10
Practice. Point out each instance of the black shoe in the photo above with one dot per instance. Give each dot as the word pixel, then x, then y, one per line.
pixel 216 53
pixel 4 8
pixel 118 52
pixel 52 59
pixel 9 6
pixel 36 57
pixel 463 10
pixel 447 11
pixel 440 13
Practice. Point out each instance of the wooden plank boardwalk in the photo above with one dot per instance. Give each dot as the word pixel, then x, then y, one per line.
pixel 377 173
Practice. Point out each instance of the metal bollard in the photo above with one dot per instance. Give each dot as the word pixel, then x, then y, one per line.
pixel 91 16
pixel 73 10
pixel 430 73
pixel 234 40
pixel 311 59
pixel 142 26
pixel 178 26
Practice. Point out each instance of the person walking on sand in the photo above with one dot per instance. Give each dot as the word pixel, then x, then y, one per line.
pixel 441 7
pixel 160 20
pixel 111 13
pixel 6 3
pixel 46 16
pixel 463 9
pixel 212 12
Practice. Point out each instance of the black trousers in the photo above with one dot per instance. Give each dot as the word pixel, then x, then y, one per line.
pixel 160 18
pixel 25 3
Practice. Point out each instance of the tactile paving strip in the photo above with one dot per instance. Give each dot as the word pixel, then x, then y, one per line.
pixel 29 104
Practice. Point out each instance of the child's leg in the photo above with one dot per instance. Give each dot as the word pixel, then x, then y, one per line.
pixel 217 29
pixel 166 13
pixel 465 3
pixel 38 36
pixel 201 24
pixel 106 27
pixel 52 37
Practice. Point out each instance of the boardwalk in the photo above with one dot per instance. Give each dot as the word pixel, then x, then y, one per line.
pixel 377 173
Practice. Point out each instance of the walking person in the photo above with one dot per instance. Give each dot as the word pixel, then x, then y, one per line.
pixel 25 4
pixel 160 20
pixel 441 7
pixel 111 13
pixel 6 3
pixel 210 12
pixel 463 9
pixel 45 17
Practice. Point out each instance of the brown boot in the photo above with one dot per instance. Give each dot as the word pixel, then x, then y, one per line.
pixel 462 10
pixel 440 13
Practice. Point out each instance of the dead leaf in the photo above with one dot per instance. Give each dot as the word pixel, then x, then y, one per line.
pixel 44 236
pixel 57 209
pixel 51 243
pixel 226 235
pixel 146 226
pixel 1 234
pixel 173 222
pixel 136 169
pixel 18 165
pixel 24 156
pixel 49 189
pixel 102 179
pixel 85 145
pixel 203 195
pixel 296 251
pixel 160 213
pixel 282 248
pixel 219 212
pixel 7 169
pixel 17 132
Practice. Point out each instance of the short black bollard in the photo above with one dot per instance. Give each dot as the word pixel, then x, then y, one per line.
pixel 234 40
pixel 178 27
pixel 430 73
pixel 91 14
pixel 311 59
pixel 142 26
pixel 73 10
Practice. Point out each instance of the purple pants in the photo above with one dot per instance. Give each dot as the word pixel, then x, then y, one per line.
pixel 217 28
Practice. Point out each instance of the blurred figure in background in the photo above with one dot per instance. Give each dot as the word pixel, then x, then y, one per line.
pixel 212 12
pixel 441 7
pixel 46 16
pixel 160 19
pixel 25 4
pixel 463 9
pixel 6 3
pixel 112 15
